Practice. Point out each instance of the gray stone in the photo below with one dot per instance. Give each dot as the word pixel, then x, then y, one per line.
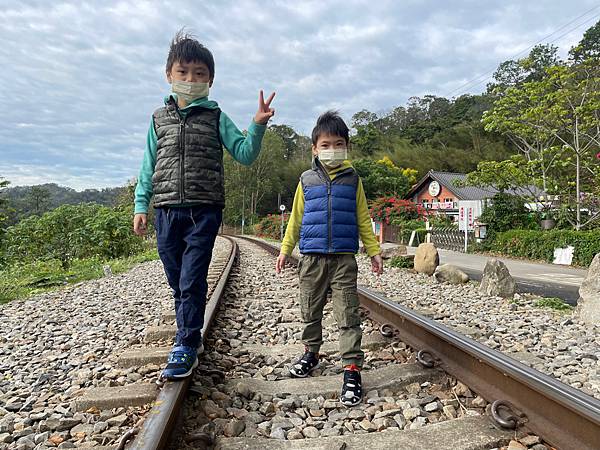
pixel 234 428
pixel 431 407
pixel 293 435
pixel 447 273
pixel 426 259
pixel 391 252
pixel 277 433
pixel 356 414
pixel 328 432
pixel 367 425
pixel 6 425
pixel 311 432
pixel 117 421
pixel 411 413
pixel 496 280
pixel 100 426
pixel 6 438
pixel 450 411
pixel 588 305
pixel 41 437
pixel 400 420
pixel 25 443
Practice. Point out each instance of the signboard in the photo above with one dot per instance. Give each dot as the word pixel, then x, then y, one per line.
pixel 468 212
pixel 441 205
pixel 434 189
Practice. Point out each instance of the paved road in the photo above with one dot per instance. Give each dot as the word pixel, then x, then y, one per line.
pixel 547 280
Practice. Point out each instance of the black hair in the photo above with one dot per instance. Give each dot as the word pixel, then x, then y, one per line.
pixel 186 48
pixel 330 123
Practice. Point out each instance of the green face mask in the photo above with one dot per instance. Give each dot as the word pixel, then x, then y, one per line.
pixel 189 91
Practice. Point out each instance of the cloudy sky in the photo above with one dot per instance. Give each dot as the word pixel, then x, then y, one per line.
pixel 79 80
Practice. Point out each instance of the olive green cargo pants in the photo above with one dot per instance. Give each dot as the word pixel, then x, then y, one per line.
pixel 318 273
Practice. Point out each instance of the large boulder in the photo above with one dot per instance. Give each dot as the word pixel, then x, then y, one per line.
pixel 447 273
pixel 391 252
pixel 496 280
pixel 588 305
pixel 426 259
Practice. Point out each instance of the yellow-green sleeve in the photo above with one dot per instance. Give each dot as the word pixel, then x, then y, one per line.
pixel 292 233
pixel 363 218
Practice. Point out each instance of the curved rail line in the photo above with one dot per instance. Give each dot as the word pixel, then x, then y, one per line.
pixel 156 430
pixel 563 416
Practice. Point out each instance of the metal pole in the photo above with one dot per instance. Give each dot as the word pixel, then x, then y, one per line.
pixel 281 239
pixel 243 207
pixel 466 227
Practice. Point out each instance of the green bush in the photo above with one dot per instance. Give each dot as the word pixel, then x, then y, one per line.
pixel 540 245
pixel 72 232
pixel 402 262
pixel 507 212
pixel 270 226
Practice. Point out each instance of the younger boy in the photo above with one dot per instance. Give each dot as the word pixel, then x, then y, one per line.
pixel 328 216
pixel 183 168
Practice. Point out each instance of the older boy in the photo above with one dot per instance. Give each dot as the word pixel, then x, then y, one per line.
pixel 328 215
pixel 183 169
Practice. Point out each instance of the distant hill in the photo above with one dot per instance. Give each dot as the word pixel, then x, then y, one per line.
pixel 28 200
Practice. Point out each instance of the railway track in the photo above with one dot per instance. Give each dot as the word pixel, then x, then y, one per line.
pixel 242 398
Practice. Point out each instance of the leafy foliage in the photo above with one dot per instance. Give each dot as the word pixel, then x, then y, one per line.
pixel 506 212
pixel 72 232
pixel 553 303
pixel 383 177
pixel 402 262
pixel 270 226
pixel 28 200
pixel 540 245
pixel 388 209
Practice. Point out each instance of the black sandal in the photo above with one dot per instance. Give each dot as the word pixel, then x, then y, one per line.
pixel 352 388
pixel 305 365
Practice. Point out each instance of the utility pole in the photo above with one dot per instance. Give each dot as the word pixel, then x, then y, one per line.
pixel 243 207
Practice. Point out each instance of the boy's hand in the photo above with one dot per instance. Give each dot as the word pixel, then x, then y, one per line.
pixel 377 264
pixel 280 263
pixel 139 224
pixel 264 112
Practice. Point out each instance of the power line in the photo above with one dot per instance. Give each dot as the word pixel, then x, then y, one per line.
pixel 562 35
pixel 486 73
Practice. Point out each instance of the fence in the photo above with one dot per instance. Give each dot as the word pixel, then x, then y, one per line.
pixel 451 238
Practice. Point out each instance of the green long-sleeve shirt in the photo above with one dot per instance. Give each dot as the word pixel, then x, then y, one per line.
pixel 243 148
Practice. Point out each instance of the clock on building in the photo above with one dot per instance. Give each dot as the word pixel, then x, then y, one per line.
pixel 434 189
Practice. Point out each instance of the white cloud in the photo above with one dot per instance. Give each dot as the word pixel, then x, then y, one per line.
pixel 81 79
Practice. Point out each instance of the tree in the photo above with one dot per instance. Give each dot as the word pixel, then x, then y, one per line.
pixel 511 116
pixel 38 199
pixel 296 146
pixel 515 176
pixel 4 213
pixel 569 110
pixel 533 67
pixel 252 190
pixel 383 178
pixel 505 212
pixel 589 46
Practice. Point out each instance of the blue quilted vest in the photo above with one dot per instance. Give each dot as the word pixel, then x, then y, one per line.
pixel 329 222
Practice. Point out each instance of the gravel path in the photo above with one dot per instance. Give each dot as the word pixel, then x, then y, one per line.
pixel 555 343
pixel 54 345
pixel 260 311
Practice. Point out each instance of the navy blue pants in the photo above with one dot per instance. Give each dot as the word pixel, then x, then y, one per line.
pixel 185 237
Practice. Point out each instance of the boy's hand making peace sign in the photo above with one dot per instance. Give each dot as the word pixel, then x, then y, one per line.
pixel 265 112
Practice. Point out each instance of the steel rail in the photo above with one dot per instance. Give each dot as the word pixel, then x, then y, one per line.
pixel 156 430
pixel 563 416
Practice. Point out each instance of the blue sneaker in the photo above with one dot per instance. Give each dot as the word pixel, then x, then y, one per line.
pixel 182 362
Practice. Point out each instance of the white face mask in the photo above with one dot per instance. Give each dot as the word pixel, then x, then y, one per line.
pixel 333 157
pixel 189 91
